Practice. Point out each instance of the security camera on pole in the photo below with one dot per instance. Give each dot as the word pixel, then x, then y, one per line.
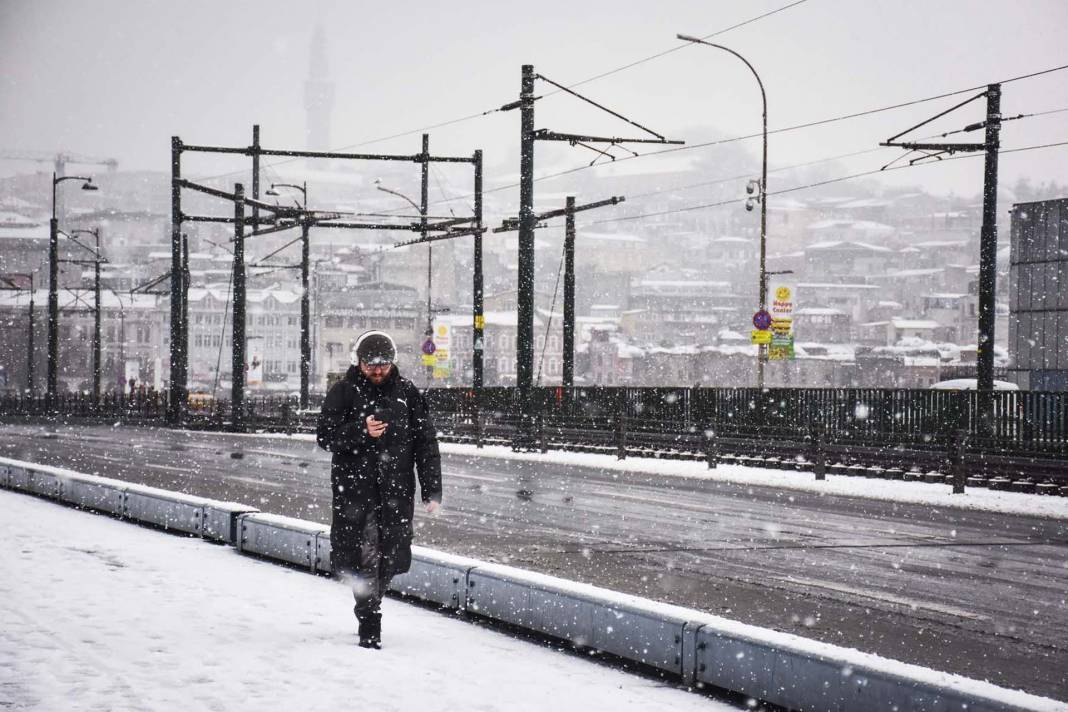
pixel 758 192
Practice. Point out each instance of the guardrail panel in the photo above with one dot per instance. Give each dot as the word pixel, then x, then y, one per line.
pixel 280 538
pixel 435 582
pixel 646 637
pixel 497 597
pixel 45 484
pixel 798 679
pixel 177 512
pixel 563 616
pixel 90 494
pixel 220 522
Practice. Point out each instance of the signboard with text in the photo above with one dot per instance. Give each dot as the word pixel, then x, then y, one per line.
pixel 783 304
pixel 442 333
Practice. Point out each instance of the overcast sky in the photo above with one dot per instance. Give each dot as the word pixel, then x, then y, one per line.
pixel 118 78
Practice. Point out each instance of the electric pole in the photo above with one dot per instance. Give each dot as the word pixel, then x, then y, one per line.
pixel 988 262
pixel 569 295
pixel 568 212
pixel 988 235
pixel 237 363
pixel 177 395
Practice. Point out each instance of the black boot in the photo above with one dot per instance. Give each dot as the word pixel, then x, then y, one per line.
pixel 371 630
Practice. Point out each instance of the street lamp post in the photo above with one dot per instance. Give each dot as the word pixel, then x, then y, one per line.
pixel 120 373
pixel 762 353
pixel 53 286
pixel 29 340
pixel 429 257
pixel 97 260
pixel 305 303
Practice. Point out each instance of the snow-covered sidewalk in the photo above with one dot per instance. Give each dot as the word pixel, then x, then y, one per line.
pixel 101 614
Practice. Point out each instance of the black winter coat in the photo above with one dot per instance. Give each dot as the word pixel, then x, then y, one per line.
pixel 377 475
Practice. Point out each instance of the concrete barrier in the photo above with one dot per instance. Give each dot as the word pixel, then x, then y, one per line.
pixel 94 493
pixel 787 670
pixel 436 577
pixel 282 538
pixel 221 520
pixel 162 508
pixel 167 510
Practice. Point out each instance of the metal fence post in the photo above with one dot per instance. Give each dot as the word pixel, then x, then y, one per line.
pixel 711 448
pixel 819 453
pixel 286 418
pixel 958 449
pixel 478 421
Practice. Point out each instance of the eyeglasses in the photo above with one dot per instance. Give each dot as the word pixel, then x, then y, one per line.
pixel 377 366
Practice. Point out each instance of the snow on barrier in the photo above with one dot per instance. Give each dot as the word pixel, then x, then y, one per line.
pixel 208 518
pixel 780 668
pixel 436 577
pixel 282 538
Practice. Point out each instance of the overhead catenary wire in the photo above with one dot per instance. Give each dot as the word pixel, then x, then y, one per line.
pixel 795 127
pixel 784 129
pixel 817 161
pixel 488 112
pixel 816 184
pixel 684 45
pixel 549 321
pixel 222 333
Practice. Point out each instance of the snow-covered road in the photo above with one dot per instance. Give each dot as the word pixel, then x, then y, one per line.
pixel 99 614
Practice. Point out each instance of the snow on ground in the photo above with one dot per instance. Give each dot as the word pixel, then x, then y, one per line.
pixel 101 614
pixel 977 498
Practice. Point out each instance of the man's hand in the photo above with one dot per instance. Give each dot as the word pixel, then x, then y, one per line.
pixel 375 427
pixel 432 506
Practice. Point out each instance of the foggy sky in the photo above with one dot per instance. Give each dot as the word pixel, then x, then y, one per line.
pixel 117 79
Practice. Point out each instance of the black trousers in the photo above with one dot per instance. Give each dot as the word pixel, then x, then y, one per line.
pixel 365 569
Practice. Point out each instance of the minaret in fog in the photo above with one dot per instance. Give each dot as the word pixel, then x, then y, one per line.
pixel 318 96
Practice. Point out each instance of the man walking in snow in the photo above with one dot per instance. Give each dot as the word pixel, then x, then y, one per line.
pixel 378 427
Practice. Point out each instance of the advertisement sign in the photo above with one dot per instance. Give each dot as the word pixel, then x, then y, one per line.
pixel 781 348
pixel 442 333
pixel 782 307
pixel 758 336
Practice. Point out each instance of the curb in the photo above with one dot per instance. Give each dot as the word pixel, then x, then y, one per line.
pixel 699 648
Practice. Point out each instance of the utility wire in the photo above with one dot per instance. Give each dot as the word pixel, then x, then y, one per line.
pixel 487 112
pixel 816 184
pixel 658 55
pixel 795 127
pixel 222 335
pixel 818 161
pixel 785 129
pixel 549 322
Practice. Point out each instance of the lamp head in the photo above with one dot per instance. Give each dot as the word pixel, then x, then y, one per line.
pixel 272 191
pixel 687 38
pixel 88 185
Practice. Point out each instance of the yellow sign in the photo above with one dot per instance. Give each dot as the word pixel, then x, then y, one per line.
pixel 480 322
pixel 429 359
pixel 441 373
pixel 760 337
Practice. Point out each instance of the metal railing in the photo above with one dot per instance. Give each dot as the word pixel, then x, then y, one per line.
pixel 901 428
